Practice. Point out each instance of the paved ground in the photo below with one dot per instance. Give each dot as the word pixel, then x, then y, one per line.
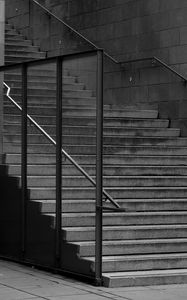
pixel 21 283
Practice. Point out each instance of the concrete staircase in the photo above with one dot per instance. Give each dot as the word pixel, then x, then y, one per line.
pixel 145 171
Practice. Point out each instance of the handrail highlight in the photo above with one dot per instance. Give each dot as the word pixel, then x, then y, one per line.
pixel 63 151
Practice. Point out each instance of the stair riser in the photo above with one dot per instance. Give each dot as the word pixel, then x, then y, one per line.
pixel 18 52
pixel 69 221
pixel 145 280
pixel 154 264
pixel 19 47
pixel 146 136
pixel 129 249
pixel 125 234
pixel 13 35
pixel 18 59
pixel 48 84
pixel 89 149
pixel 50 92
pixel 108 171
pixel 88 140
pixel 38 79
pixel 119 193
pixel 78 112
pixel 50 181
pixel 111 160
pixel 91 121
pixel 132 207
pixel 13 54
pixel 18 41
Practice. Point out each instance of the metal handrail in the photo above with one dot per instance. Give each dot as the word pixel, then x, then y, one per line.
pixel 74 30
pixel 63 151
pixel 161 62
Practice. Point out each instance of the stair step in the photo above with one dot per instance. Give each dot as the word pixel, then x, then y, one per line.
pixel 143 262
pixel 109 141
pixel 8 26
pixel 84 112
pixel 111 181
pixel 90 149
pixel 82 121
pixel 12 34
pixel 90 131
pixel 47 85
pixel 32 52
pixel 22 47
pixel 21 58
pixel 19 41
pixel 131 247
pixel 145 278
pixel 38 79
pixel 124 219
pixel 110 159
pixel 133 205
pixel 126 232
pixel 125 170
pixel 50 92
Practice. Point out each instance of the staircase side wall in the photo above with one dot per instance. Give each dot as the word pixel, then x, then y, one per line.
pixel 126 30
pixel 2 15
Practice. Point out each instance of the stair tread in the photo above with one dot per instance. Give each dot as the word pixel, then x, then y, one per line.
pixel 134 242
pixel 126 227
pixel 145 273
pixel 119 214
pixel 139 257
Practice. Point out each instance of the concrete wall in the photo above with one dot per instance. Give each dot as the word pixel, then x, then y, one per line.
pixel 2 15
pixel 126 29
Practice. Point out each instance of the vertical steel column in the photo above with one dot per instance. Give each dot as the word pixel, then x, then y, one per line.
pixel 58 161
pixel 99 169
pixel 24 157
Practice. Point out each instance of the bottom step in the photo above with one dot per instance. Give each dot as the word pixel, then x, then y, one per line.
pixel 145 278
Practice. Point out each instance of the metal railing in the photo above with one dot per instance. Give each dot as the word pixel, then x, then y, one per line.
pixel 160 62
pixel 59 151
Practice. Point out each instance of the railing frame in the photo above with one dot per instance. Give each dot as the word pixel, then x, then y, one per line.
pixel 59 89
pixel 24 157
pixel 59 151
pixel 99 171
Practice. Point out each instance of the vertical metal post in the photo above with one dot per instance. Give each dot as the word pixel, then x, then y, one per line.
pixel 24 157
pixel 58 161
pixel 99 169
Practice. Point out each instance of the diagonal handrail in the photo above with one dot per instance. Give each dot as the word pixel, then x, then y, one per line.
pixel 63 151
pixel 73 30
pixel 158 60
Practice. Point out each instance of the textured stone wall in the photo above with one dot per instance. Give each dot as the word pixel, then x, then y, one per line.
pixel 126 29
pixel 1 75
